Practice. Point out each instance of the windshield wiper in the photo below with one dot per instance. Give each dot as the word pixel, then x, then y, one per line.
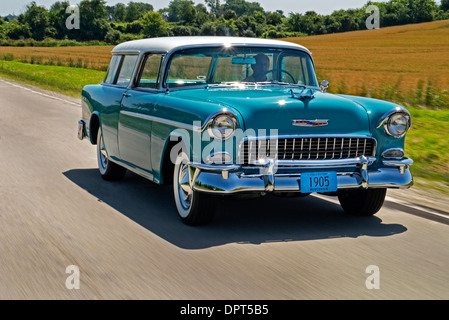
pixel 231 83
pixel 299 85
pixel 273 82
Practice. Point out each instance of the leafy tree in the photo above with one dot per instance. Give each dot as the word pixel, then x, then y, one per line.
pixel 153 25
pixel 215 7
pixel 444 5
pixel 182 11
pixel 93 23
pixel 225 27
pixel 135 27
pixel 119 12
pixel 242 7
pixel 136 10
pixel 38 19
pixel 113 36
pixel 259 17
pixel 274 18
pixel 208 29
pixel 230 14
pixel 422 10
pixel 58 17
pixel 16 30
pixel 202 16
pixel 309 23
pixel 332 23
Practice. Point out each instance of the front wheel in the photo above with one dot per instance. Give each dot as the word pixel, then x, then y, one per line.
pixel 194 208
pixel 362 202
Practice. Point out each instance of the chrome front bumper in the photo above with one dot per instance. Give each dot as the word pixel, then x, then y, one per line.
pixel 81 130
pixel 232 179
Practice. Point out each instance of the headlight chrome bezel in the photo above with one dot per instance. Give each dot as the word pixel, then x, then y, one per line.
pixel 387 122
pixel 215 125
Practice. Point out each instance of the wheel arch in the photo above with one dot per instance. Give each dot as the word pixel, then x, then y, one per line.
pixel 167 165
pixel 94 125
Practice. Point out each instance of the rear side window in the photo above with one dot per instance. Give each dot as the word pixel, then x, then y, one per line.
pixel 151 72
pixel 112 70
pixel 126 70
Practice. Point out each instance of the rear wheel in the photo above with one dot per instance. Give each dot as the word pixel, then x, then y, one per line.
pixel 194 208
pixel 362 202
pixel 109 170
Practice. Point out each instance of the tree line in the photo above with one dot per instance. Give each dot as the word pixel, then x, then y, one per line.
pixel 135 20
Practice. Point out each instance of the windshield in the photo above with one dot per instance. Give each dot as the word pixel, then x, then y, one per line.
pixel 224 65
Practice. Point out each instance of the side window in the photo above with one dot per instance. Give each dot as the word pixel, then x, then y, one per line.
pixel 112 70
pixel 126 71
pixel 151 72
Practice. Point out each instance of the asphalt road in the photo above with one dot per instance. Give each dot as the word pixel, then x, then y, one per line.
pixel 126 240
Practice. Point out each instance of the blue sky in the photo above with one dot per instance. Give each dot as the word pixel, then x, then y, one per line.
pixel 320 6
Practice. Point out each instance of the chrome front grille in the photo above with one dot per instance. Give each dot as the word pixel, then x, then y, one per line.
pixel 306 148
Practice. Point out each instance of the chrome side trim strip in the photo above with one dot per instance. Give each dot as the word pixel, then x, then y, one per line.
pixel 161 120
pixel 181 124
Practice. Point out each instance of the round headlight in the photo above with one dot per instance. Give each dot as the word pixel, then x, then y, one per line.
pixel 222 127
pixel 398 124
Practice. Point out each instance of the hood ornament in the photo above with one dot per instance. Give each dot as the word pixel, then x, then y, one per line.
pixel 302 96
pixel 310 123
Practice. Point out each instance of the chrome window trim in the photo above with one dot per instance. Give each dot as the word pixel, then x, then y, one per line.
pixel 119 69
pixel 141 65
pixel 218 45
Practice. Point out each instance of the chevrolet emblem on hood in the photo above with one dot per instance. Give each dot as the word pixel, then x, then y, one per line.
pixel 310 123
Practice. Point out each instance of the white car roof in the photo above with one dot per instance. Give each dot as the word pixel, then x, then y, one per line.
pixel 167 44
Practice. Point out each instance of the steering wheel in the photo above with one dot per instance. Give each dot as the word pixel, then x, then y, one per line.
pixel 274 70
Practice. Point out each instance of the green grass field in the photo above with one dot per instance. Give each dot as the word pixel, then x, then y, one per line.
pixel 65 80
pixel 427 143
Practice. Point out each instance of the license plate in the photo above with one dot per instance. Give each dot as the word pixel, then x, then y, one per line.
pixel 318 182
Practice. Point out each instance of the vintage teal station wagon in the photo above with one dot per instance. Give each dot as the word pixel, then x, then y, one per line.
pixel 218 116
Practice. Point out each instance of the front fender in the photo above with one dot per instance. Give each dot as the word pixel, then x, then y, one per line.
pixel 376 110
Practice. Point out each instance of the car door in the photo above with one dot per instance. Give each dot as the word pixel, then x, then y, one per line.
pixel 135 118
pixel 110 98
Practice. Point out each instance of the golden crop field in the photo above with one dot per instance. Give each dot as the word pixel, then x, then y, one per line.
pixel 408 62
pixel 90 57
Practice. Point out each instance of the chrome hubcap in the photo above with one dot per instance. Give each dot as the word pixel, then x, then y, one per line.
pixel 103 155
pixel 184 189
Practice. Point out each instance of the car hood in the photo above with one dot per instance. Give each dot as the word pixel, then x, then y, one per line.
pixel 265 108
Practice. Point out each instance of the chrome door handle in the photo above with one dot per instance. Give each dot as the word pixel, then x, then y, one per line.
pixel 126 95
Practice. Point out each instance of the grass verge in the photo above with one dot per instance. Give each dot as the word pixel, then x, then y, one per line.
pixel 427 142
pixel 61 79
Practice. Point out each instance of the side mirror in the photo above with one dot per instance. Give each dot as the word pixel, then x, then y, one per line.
pixel 324 85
